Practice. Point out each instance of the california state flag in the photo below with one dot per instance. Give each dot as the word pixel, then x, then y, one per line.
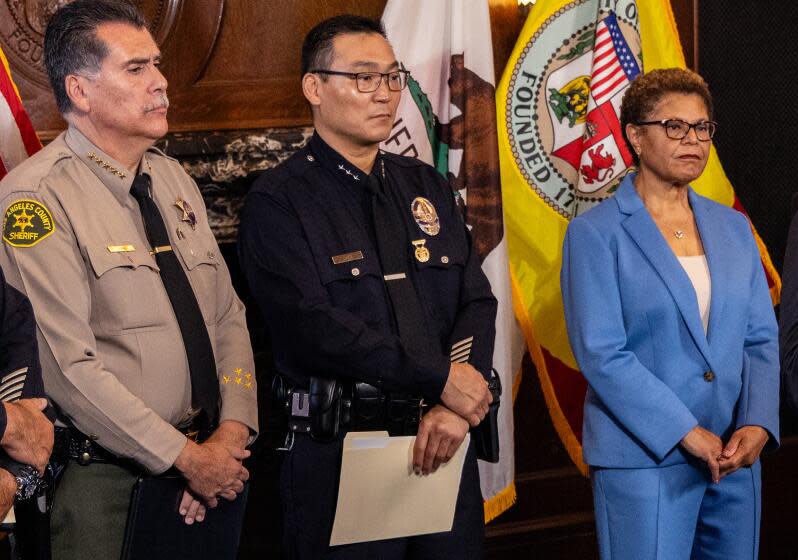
pixel 447 118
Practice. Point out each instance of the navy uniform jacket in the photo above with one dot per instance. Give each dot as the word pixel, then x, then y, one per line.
pixel 20 371
pixel 308 251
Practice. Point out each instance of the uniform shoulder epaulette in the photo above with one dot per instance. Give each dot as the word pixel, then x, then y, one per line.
pixel 273 178
pixel 28 175
pixel 300 161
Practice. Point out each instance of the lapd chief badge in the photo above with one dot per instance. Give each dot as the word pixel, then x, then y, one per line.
pixel 188 214
pixel 26 222
pixel 425 215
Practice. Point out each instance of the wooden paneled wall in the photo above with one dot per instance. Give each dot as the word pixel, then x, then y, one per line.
pixel 231 64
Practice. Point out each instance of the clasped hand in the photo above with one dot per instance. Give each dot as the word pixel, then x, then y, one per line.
pixel 466 400
pixel 28 437
pixel 466 393
pixel 742 449
pixel 440 434
pixel 213 469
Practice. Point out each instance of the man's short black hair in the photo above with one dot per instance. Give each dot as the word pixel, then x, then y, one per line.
pixel 71 44
pixel 317 49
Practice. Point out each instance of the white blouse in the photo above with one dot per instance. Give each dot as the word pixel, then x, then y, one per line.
pixel 697 270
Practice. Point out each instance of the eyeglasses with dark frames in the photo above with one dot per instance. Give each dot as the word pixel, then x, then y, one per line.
pixel 676 129
pixel 368 82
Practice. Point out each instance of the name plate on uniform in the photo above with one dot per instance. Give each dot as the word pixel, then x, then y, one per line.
pixel 348 257
pixel 121 248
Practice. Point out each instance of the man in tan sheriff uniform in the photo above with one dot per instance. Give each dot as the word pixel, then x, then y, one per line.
pixel 74 240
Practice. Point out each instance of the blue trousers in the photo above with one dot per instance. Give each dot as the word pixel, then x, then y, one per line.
pixel 676 512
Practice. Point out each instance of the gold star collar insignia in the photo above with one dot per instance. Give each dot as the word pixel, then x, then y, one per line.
pixel 105 165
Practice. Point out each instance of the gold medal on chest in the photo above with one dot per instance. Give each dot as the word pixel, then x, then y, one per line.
pixel 422 253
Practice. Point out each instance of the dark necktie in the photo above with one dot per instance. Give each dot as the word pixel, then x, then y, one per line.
pixel 199 352
pixel 393 245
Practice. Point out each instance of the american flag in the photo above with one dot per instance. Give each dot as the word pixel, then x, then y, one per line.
pixel 18 139
pixel 614 64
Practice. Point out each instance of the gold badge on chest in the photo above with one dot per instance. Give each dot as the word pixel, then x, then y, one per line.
pixel 425 215
pixel 422 253
pixel 188 214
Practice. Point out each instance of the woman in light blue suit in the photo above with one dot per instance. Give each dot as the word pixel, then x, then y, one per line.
pixel 671 322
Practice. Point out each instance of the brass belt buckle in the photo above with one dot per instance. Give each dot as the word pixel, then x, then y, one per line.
pixel 84 457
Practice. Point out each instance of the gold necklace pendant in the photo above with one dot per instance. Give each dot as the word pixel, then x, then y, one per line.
pixel 678 234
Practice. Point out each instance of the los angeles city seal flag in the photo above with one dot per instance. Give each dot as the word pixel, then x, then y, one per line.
pixel 561 152
pixel 447 119
pixel 18 139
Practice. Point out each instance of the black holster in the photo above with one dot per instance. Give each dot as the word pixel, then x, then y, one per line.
pixel 324 396
pixel 486 435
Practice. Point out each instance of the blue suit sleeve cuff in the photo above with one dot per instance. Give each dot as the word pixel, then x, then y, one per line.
pixel 674 436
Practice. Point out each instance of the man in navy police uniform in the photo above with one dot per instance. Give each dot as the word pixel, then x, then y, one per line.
pixel 361 265
pixel 26 429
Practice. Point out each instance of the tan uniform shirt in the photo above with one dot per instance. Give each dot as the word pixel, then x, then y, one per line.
pixel 113 359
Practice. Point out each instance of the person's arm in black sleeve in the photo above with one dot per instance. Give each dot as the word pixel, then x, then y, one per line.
pixel 327 340
pixel 19 351
pixel 476 314
pixel 27 435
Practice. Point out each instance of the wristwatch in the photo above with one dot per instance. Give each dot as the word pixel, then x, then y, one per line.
pixel 27 478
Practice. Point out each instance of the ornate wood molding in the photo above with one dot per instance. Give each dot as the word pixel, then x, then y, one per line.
pixel 186 31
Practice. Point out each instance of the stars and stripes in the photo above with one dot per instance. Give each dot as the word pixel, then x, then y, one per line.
pixel 18 139
pixel 614 64
pixel 11 385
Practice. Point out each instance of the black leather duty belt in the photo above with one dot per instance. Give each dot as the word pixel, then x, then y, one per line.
pixel 72 444
pixel 329 408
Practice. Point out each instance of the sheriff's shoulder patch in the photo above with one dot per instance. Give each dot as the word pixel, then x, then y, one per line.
pixel 26 222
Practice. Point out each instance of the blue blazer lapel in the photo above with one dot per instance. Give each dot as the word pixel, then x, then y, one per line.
pixel 644 232
pixel 713 240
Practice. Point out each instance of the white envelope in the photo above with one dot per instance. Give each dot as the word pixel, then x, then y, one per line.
pixel 380 497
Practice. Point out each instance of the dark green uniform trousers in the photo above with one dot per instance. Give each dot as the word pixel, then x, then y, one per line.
pixel 90 511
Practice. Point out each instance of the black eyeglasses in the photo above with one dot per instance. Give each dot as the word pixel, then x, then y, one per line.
pixel 368 82
pixel 676 129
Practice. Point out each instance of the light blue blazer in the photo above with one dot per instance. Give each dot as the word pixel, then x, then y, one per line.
pixel 634 326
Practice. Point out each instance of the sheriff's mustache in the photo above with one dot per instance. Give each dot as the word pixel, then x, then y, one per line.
pixel 163 103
